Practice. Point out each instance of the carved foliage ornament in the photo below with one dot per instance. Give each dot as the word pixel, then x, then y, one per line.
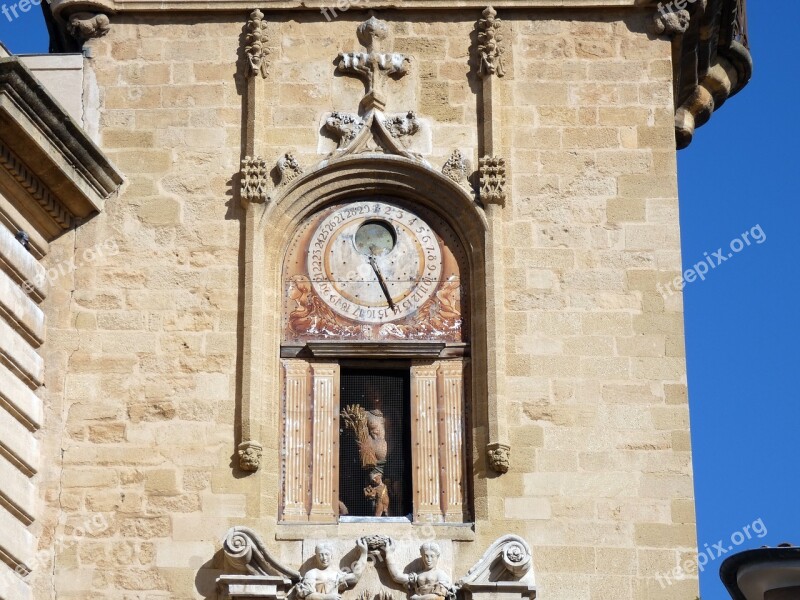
pixel 255 175
pixel 256 44
pixel 456 168
pixel 493 180
pixel 490 44
pixel 345 127
pixel 289 169
pixel 402 126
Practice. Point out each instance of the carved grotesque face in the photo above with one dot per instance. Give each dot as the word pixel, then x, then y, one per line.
pixel 249 459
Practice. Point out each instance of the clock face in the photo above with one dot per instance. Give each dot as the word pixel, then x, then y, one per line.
pixel 374 262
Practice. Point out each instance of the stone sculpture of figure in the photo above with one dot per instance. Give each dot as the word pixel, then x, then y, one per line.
pixel 370 430
pixel 326 580
pixel 376 424
pixel 430 584
pixel 378 493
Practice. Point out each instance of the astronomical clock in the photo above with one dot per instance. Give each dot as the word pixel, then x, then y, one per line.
pixel 375 270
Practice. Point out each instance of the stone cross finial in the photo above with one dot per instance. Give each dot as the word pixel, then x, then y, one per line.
pixel 373 65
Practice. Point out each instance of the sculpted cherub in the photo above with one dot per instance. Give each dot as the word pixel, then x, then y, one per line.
pixel 430 584
pixel 378 493
pixel 325 581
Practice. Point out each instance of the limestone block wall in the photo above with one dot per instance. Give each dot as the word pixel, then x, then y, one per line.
pixel 144 343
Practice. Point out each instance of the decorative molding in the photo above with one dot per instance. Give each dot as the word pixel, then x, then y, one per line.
pixel 457 168
pixel 493 180
pixel 245 552
pixel 256 41
pixel 374 133
pixel 373 66
pixel 490 44
pixel 67 174
pixel 499 456
pixel 505 569
pixel 711 93
pixel 255 178
pixel 85 25
pixel 670 21
pixel 392 349
pixel 34 186
pixel 250 456
pixel 289 169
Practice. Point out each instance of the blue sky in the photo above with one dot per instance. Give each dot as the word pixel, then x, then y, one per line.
pixel 741 171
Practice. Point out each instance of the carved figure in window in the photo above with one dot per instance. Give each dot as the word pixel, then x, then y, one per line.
pixel 432 583
pixel 325 581
pixel 378 493
pixel 369 428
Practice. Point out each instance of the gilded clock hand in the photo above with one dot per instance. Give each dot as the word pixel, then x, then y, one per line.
pixel 381 280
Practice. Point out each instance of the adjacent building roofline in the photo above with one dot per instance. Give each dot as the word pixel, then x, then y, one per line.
pixel 761 570
pixel 47 156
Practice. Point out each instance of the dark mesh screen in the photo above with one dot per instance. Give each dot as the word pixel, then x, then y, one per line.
pixel 375 461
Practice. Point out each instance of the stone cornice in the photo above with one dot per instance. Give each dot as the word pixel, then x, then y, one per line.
pixel 48 155
pixel 711 62
pixel 67 7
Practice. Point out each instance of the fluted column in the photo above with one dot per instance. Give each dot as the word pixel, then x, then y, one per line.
pixel 297 436
pixel 425 443
pixel 325 445
pixel 452 439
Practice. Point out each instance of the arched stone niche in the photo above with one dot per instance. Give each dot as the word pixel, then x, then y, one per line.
pixel 270 230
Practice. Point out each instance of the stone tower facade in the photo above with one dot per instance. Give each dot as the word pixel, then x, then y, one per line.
pixel 263 206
